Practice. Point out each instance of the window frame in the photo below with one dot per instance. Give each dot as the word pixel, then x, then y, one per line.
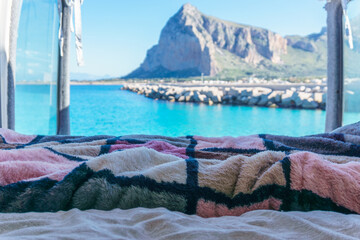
pixel 335 66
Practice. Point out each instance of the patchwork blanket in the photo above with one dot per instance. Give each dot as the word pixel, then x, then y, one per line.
pixel 195 175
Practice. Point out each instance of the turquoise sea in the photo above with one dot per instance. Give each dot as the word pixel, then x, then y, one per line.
pixel 108 110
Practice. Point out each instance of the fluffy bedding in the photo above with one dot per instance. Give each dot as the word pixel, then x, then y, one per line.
pixel 159 223
pixel 209 177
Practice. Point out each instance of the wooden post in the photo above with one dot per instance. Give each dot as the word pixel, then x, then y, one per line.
pixel 63 97
pixel 335 72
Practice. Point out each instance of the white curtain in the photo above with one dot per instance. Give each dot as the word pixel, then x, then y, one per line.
pixel 5 22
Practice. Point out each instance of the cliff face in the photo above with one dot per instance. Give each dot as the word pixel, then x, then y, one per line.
pixel 189 42
pixel 249 43
pixel 192 44
pixel 184 46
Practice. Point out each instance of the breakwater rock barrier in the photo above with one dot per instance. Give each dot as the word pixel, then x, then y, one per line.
pixel 303 97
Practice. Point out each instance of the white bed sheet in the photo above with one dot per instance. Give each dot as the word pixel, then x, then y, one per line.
pixel 141 223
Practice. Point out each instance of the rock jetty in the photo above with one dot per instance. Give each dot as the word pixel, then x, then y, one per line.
pixel 301 97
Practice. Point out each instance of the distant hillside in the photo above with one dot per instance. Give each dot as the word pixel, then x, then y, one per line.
pixel 75 76
pixel 192 44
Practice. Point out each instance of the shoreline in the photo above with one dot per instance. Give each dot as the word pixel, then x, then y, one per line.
pixel 97 82
pixel 198 84
pixel 296 96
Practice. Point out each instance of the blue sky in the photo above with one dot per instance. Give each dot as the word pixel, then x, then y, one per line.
pixel 117 33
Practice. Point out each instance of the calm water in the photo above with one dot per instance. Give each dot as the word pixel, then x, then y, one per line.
pixel 108 110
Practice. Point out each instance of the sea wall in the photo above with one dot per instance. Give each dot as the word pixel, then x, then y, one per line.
pixel 300 97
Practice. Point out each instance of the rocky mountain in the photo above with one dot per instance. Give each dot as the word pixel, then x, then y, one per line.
pixel 192 44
